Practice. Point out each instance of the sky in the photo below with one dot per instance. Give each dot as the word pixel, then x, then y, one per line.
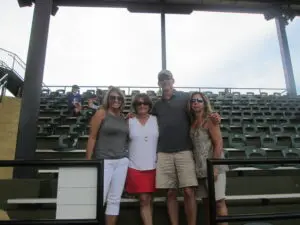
pixel 101 47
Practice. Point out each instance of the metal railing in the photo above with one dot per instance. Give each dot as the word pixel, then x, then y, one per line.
pixel 3 83
pixel 62 163
pixel 214 219
pixel 13 62
pixel 128 89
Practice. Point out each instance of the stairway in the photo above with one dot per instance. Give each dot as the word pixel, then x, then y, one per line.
pixel 14 81
pixel 15 67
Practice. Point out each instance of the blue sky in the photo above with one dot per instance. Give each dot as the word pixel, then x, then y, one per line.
pixel 115 47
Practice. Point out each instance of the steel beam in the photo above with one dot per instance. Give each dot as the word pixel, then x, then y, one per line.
pixel 26 139
pixel 285 56
pixel 163 40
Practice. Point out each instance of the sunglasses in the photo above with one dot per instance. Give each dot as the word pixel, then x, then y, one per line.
pixel 198 100
pixel 142 103
pixel 115 98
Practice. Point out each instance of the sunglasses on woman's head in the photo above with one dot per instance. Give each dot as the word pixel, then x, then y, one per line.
pixel 198 100
pixel 115 98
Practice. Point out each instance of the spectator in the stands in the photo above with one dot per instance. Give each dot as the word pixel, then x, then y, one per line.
pixel 108 141
pixel 143 138
pixel 207 141
pixel 74 101
pixel 96 101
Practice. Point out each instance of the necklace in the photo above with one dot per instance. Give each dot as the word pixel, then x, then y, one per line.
pixel 143 121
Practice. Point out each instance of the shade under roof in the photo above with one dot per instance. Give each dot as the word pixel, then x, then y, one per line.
pixel 185 6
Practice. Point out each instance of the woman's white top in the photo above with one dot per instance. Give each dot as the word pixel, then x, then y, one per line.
pixel 143 143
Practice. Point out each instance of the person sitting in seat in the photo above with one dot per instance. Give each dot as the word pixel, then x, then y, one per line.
pixel 74 101
pixel 96 101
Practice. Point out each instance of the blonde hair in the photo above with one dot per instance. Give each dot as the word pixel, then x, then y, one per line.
pixel 207 106
pixel 105 105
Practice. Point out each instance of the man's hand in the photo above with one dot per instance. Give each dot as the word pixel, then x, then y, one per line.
pixel 130 115
pixel 215 118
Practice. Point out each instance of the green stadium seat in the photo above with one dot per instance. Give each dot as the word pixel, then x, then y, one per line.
pixel 295 141
pixel 236 113
pixel 237 140
pixel 291 154
pixel 225 114
pixel 236 121
pixel 257 114
pixel 271 120
pixel 151 93
pixel 225 129
pixel 44 130
pixel 289 129
pixel 61 129
pixel 250 129
pixel 259 121
pixel 236 129
pixel 283 121
pixel 135 92
pixel 268 141
pixel 67 143
pixel 275 129
pixel 77 129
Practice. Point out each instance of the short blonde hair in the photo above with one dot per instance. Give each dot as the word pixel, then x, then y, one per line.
pixel 105 105
pixel 207 106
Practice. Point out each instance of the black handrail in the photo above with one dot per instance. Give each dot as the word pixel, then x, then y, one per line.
pixel 214 219
pixel 62 163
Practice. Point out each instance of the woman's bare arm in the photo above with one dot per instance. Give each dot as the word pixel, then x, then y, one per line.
pixel 216 137
pixel 95 125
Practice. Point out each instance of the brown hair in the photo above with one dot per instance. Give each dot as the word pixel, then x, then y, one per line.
pixel 105 105
pixel 207 106
pixel 145 98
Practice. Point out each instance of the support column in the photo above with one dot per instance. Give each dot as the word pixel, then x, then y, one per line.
pixel 163 41
pixel 26 139
pixel 286 57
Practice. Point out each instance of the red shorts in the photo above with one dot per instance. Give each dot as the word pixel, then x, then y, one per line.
pixel 138 181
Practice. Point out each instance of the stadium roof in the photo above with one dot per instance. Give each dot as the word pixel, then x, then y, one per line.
pixel 186 6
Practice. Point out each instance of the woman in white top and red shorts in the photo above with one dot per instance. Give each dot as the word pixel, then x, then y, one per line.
pixel 143 135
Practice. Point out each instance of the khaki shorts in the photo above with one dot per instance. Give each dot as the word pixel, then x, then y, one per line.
pixel 175 170
pixel 220 187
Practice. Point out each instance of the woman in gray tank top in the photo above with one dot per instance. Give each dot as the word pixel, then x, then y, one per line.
pixel 208 143
pixel 108 141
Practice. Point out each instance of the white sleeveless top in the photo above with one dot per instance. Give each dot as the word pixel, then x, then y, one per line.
pixel 143 143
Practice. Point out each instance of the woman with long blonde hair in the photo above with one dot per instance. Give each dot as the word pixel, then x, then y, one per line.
pixel 108 141
pixel 208 143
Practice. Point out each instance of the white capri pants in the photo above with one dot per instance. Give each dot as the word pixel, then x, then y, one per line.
pixel 115 171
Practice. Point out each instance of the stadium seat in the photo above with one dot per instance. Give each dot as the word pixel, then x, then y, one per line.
pixel 249 129
pixel 67 143
pixel 289 129
pixel 237 140
pixel 45 130
pixel 268 141
pixel 295 141
pixel 291 154
pixel 276 129
pixel 225 129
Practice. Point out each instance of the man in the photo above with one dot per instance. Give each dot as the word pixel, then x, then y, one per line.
pixel 175 163
pixel 74 101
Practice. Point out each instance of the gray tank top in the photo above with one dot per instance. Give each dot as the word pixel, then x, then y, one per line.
pixel 112 138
